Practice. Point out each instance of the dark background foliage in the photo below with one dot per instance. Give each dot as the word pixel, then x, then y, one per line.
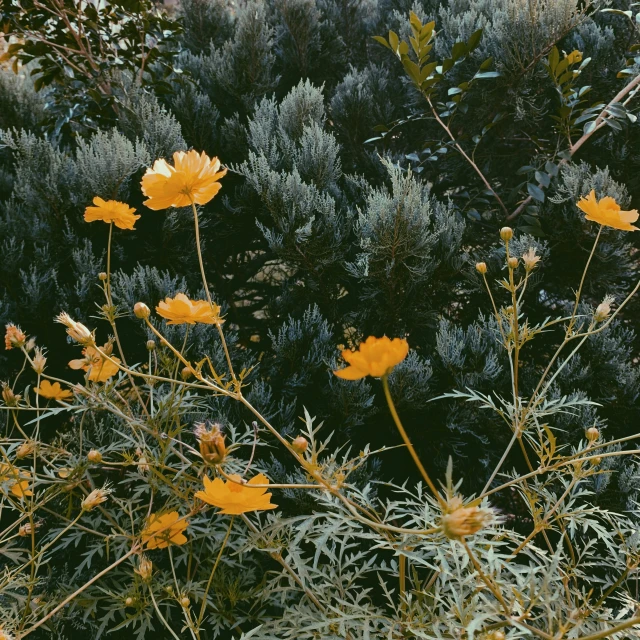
pixel 347 210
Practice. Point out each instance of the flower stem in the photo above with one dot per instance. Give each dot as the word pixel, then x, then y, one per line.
pixel 405 438
pixel 206 290
pixel 584 275
pixel 213 570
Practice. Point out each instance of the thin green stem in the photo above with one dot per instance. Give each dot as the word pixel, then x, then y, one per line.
pixel 407 441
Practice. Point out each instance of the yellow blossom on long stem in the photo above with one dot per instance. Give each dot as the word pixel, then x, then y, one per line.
pixel 163 530
pixel 193 179
pixel 234 497
pixel 607 212
pixel 121 214
pixel 182 310
pixel 53 391
pixel 374 357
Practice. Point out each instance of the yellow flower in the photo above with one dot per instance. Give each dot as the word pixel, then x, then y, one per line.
pixel 375 357
pixel 234 498
pixel 181 310
pixel 52 391
pixel 100 369
pixel 165 530
pixel 574 56
pixel 119 213
pixel 14 337
pixel 193 179
pixel 17 480
pixel 607 212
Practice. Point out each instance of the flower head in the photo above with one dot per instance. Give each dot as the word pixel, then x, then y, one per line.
pixel 99 368
pixel 52 391
pixel 144 569
pixel 530 259
pixel 96 497
pixel 375 357
pixel 76 330
pixel 163 530
pixel 109 211
pixel 181 310
pixel 604 309
pixel 39 361
pixel 211 441
pixel 14 338
pixel 459 521
pixel 17 480
pixel 233 497
pixel 607 212
pixel 192 180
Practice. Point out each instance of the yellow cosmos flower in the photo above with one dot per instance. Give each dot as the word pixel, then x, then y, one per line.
pixel 375 357
pixel 193 179
pixel 233 498
pixel 163 530
pixel 52 391
pixel 181 310
pixel 607 212
pixel 119 213
pixel 99 368
pixel 17 480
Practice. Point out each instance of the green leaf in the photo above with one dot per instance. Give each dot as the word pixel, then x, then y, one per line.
pixel 554 58
pixel 535 192
pixel 382 41
pixel 543 179
pixel 459 49
pixel 474 40
pixel 486 74
pixel 393 40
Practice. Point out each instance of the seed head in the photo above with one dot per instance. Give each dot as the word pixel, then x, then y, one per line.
pixel 10 399
pixel 76 330
pixel 39 361
pixel 151 345
pixel 14 338
pixel 145 568
pixel 25 450
pixel 512 262
pixel 211 441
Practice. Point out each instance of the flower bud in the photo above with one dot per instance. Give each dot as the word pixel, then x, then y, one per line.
pixel 459 521
pixel 39 361
pixel 151 345
pixel 211 441
pixel 603 310
pixel 94 456
pixel 512 262
pixel 145 568
pixel 592 434
pixel 25 530
pixel 25 449
pixel 300 444
pixel 14 338
pixel 506 233
pixel 186 373
pixel 141 310
pixel 10 399
pixel 129 602
pixel 76 330
pixel 481 267
pixel 95 498
pixel 497 635
pixel 595 461
pixel 185 602
pixel 102 276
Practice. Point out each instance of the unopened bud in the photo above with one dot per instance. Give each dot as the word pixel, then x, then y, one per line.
pixel 94 456
pixel 141 310
pixel 603 310
pixel 185 602
pixel 506 233
pixel 592 434
pixel 186 373
pixel 102 276
pixel 497 635
pixel 512 262
pixel 39 361
pixel 481 267
pixel 10 399
pixel 25 449
pixel 25 530
pixel 595 461
pixel 128 602
pixel 300 444
pixel 151 345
